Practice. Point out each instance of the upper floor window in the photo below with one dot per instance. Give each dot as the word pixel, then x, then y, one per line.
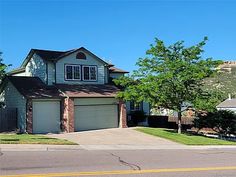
pixel 89 73
pixel 81 55
pixel 72 72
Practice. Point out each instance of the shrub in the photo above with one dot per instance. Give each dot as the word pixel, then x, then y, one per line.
pixel 137 116
pixel 221 121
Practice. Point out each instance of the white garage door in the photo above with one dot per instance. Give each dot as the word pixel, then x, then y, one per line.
pixel 46 116
pixel 95 113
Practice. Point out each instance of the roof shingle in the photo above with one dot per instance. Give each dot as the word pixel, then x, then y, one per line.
pixel 33 87
pixel 93 90
pixel 117 70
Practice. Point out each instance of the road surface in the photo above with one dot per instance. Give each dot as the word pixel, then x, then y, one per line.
pixel 119 163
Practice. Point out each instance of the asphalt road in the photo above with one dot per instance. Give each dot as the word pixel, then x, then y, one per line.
pixel 114 163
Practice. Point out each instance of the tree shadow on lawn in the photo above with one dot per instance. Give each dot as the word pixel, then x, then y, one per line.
pixel 9 140
pixel 44 138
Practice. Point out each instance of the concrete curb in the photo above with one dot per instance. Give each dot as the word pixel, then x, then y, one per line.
pixel 37 147
pixel 150 147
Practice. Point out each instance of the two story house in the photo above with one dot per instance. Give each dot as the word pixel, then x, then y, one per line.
pixel 64 91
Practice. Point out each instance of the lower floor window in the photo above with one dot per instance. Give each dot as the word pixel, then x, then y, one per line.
pixel 136 106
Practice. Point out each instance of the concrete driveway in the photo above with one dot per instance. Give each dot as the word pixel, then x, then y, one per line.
pixel 117 138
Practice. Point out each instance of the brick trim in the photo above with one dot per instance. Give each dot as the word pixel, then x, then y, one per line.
pixel 64 120
pixel 71 117
pixel 67 118
pixel 123 115
pixel 29 116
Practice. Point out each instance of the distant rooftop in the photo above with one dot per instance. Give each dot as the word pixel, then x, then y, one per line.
pixel 229 103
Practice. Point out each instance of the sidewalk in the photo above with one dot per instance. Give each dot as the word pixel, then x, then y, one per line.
pixel 40 147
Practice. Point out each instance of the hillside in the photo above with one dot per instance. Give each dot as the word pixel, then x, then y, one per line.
pixel 224 80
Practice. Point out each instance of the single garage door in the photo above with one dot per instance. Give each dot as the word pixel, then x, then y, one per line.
pixel 46 116
pixel 95 113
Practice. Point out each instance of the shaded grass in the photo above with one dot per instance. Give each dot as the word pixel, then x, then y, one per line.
pixel 31 139
pixel 184 138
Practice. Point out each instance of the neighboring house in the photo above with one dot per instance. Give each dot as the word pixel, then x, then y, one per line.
pixel 229 104
pixel 69 91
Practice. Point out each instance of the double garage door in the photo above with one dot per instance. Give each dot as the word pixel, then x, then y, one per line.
pixel 89 114
pixel 95 113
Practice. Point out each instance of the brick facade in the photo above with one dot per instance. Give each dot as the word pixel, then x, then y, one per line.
pixel 64 119
pixel 29 116
pixel 122 114
pixel 67 119
pixel 71 116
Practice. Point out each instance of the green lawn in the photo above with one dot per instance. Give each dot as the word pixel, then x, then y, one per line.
pixel 184 138
pixel 31 139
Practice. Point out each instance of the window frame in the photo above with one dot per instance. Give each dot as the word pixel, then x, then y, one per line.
pixel 135 106
pixel 73 66
pixel 85 57
pixel 96 71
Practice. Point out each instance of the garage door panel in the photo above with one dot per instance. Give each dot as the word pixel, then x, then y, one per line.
pixel 46 116
pixel 92 117
pixel 95 101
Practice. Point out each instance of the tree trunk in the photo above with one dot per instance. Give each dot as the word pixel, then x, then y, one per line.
pixel 179 122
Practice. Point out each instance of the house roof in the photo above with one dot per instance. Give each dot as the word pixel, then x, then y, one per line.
pixel 116 70
pixel 49 54
pixel 52 55
pixel 93 90
pixel 16 71
pixel 33 87
pixel 85 50
pixel 229 103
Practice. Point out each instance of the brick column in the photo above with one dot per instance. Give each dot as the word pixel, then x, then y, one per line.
pixel 123 115
pixel 64 119
pixel 67 119
pixel 71 117
pixel 29 116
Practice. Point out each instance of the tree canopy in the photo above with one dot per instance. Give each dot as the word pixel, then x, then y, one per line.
pixel 3 67
pixel 169 75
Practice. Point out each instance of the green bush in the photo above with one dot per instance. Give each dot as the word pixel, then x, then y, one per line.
pixel 137 116
pixel 221 121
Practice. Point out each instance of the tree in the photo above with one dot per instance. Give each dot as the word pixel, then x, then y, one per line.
pixel 207 102
pixel 168 76
pixel 3 67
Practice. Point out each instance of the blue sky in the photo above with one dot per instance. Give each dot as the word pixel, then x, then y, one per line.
pixel 117 31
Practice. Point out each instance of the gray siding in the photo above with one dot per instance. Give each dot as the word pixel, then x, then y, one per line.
pixel 51 73
pixel 13 99
pixel 146 108
pixel 116 75
pixel 106 75
pixel 36 67
pixel 71 59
